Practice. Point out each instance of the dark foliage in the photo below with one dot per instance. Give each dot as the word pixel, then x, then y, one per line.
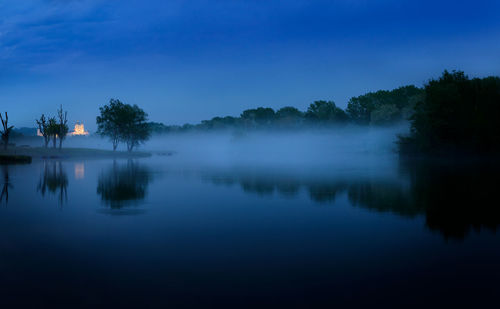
pixel 384 107
pixel 458 115
pixel 124 123
pixel 379 108
pixel 324 112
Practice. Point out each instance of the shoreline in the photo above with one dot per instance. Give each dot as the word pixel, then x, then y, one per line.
pixel 68 153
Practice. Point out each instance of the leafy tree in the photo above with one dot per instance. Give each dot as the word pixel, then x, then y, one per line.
pixel 43 128
pixel 220 123
pixel 123 122
pixel 110 122
pixel 6 130
pixel 385 114
pixel 135 129
pixel 360 108
pixel 325 111
pixel 458 114
pixel 258 116
pixel 289 116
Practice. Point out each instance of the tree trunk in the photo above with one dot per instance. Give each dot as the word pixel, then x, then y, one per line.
pixel 54 142
pixel 60 143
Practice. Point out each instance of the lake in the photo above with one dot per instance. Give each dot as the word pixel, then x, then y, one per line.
pixel 154 233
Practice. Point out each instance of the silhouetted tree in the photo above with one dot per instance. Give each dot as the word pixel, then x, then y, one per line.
pixel 258 116
pixel 220 123
pixel 401 100
pixel 6 130
pixel 110 121
pixel 289 116
pixel 43 128
pixel 52 130
pixel 63 129
pixel 135 129
pixel 123 122
pixel 325 111
pixel 458 114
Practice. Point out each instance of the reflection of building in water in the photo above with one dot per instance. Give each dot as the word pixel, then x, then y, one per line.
pixel 79 130
pixel 79 171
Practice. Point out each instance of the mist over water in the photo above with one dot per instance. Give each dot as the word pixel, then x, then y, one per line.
pixel 343 148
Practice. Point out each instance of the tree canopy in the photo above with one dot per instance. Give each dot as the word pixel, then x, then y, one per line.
pixel 458 114
pixel 384 106
pixel 123 123
pixel 325 111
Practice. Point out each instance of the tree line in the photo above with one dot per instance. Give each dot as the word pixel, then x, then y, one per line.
pixel 382 107
pixel 453 113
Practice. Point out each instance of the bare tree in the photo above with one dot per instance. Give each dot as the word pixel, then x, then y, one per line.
pixel 52 130
pixel 62 125
pixel 5 130
pixel 43 127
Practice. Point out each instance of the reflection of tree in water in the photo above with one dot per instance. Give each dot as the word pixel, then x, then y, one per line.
pixel 259 186
pixel 288 187
pixel 453 199
pixel 123 184
pixel 6 185
pixel 383 196
pixel 53 179
pixel 457 199
pixel 325 192
pixel 257 183
pixel 267 184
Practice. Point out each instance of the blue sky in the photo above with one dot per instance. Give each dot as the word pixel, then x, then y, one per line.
pixel 184 61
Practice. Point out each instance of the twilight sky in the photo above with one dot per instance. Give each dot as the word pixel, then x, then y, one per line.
pixel 184 61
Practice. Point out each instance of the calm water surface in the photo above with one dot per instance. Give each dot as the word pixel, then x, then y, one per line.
pixel 150 232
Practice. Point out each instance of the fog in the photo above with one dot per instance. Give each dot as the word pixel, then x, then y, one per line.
pixel 350 148
pixel 345 149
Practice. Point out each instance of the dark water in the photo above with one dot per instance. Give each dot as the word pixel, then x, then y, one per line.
pixel 148 233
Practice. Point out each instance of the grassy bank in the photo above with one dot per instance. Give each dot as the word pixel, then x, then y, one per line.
pixel 69 153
